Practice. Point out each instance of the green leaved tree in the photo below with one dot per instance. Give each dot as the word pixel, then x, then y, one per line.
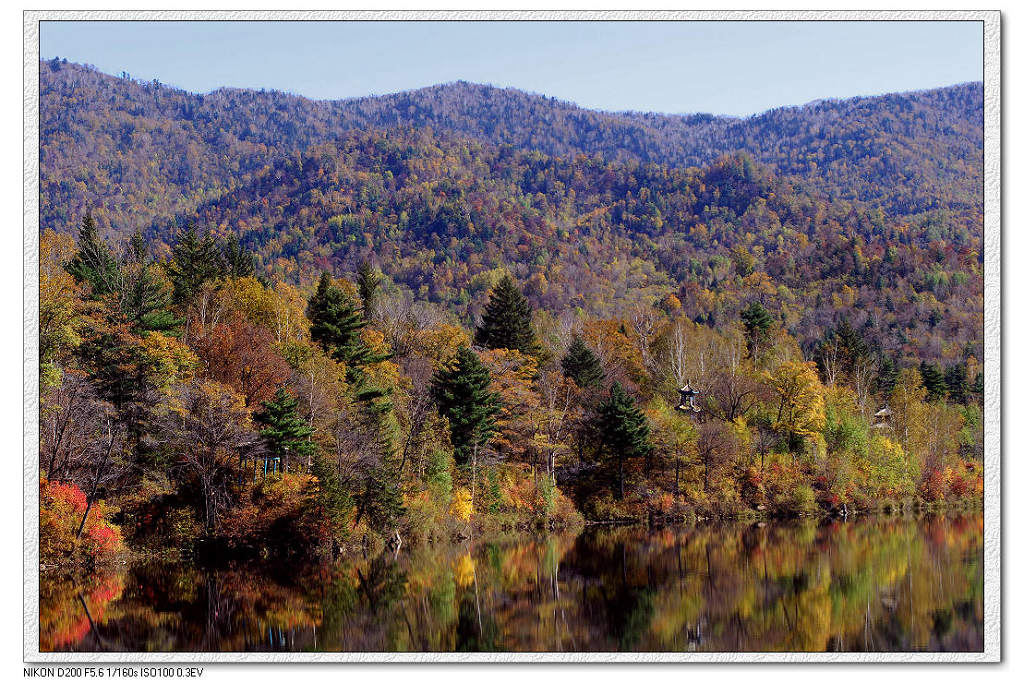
pixel 507 320
pixel 625 434
pixel 463 395
pixel 94 263
pixel 757 324
pixel 367 282
pixel 581 365
pixel 238 262
pixel 285 434
pixel 194 262
pixel 144 296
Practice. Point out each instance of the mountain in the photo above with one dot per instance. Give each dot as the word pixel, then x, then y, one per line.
pixel 444 214
pixel 138 152
pixel 868 209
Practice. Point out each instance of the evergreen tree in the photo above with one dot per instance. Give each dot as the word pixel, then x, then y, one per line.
pixel 757 323
pixel 957 384
pixel 462 394
pixel 888 374
pixel 507 320
pixel 581 365
pixel 625 433
pixel 238 262
pixel 145 298
pixel 335 322
pixel 334 500
pixel 852 347
pixel 93 263
pixel 383 483
pixel 284 433
pixel 933 380
pixel 367 281
pixel 194 262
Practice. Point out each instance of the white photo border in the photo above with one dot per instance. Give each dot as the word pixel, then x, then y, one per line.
pixel 992 321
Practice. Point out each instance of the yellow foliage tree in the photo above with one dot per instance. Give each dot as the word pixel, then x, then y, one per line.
pixel 799 397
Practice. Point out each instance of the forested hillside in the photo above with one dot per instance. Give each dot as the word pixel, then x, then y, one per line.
pixel 447 216
pixel 276 326
pixel 136 151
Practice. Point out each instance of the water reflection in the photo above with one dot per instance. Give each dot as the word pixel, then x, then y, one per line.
pixel 867 585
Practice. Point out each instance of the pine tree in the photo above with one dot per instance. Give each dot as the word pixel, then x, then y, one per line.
pixel 238 262
pixel 367 281
pixel 194 262
pixel 625 433
pixel 956 383
pixel 335 322
pixel 462 393
pixel 888 374
pixel 94 264
pixel 933 380
pixel 145 298
pixel 852 347
pixel 757 323
pixel 507 320
pixel 285 434
pixel 581 365
pixel 383 500
pixel 334 500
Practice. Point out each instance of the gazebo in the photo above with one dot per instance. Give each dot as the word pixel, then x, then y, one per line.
pixel 686 399
pixel 882 418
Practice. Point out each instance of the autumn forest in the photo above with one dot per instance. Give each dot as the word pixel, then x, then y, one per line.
pixel 275 327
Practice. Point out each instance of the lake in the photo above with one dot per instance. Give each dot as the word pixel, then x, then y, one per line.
pixel 869 584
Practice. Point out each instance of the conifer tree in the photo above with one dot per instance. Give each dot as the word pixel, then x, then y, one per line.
pixel 888 374
pixel 238 262
pixel 93 263
pixel 933 380
pixel 956 383
pixel 144 296
pixel 383 483
pixel 757 323
pixel 625 433
pixel 462 393
pixel 368 282
pixel 581 365
pixel 335 322
pixel 284 432
pixel 194 262
pixel 507 320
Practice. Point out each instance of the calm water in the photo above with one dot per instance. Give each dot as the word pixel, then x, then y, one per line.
pixel 871 584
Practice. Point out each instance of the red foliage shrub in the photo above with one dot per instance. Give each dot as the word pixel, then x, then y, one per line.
pixel 61 507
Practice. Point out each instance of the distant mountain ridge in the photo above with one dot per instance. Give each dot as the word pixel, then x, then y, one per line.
pixel 142 152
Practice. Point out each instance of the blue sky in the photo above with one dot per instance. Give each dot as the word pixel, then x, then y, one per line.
pixel 736 68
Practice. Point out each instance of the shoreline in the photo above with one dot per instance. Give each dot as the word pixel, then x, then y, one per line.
pixel 914 509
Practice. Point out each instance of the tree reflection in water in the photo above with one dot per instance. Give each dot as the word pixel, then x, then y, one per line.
pixel 880 584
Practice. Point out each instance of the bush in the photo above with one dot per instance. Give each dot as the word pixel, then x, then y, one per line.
pixel 61 508
pixel 802 500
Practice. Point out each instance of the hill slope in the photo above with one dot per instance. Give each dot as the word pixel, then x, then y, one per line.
pixel 138 152
pixel 443 214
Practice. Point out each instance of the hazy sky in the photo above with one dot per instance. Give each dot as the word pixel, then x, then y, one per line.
pixel 734 68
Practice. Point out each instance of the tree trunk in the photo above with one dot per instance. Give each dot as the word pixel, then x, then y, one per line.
pixel 622 482
pixel 96 480
pixel 472 492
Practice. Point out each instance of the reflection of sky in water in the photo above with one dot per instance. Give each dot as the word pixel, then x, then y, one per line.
pixel 872 584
